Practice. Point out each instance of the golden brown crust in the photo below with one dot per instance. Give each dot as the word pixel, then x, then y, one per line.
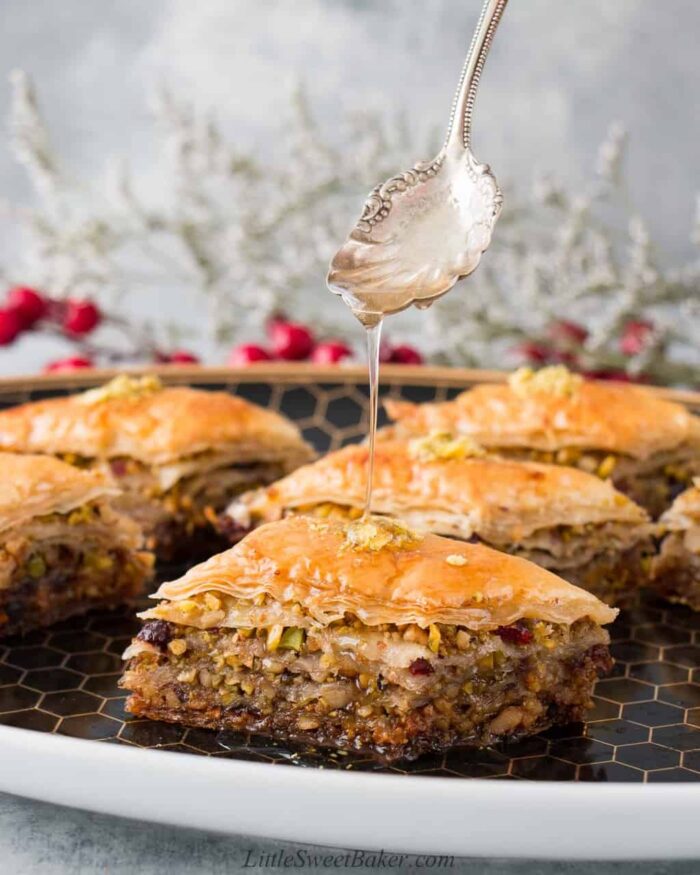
pixel 496 499
pixel 429 580
pixel 597 415
pixel 684 513
pixel 154 428
pixel 32 486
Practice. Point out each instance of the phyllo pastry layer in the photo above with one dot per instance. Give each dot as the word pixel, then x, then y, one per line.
pixel 650 447
pixel 676 570
pixel 63 547
pixel 178 454
pixel 368 636
pixel 562 518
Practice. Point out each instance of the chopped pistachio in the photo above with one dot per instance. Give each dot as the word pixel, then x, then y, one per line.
pixel 122 386
pixel 442 446
pixel 212 602
pixel 177 646
pixel 486 662
pixel 274 636
pixel 98 561
pixel 606 467
pixel 78 516
pixel 553 380
pixel 463 640
pixel 292 638
pixel 376 533
pixel 36 566
pixel 434 637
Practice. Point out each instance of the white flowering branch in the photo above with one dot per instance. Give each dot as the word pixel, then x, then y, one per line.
pixel 246 236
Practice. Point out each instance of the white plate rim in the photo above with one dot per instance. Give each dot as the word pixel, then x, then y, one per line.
pixel 345 809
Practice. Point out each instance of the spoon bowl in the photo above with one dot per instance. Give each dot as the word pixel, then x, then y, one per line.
pixel 423 230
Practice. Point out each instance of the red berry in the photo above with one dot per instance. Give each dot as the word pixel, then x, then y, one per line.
pixel 562 357
pixel 533 352
pixel 29 305
pixel 74 363
pixel 80 317
pixel 248 354
pixel 180 357
pixel 567 332
pixel 291 341
pixel 518 633
pixel 618 376
pixel 405 355
pixel 10 326
pixel 636 336
pixel 420 667
pixel 330 352
pixel 274 319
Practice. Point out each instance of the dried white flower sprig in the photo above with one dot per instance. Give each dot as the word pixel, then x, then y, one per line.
pixel 235 238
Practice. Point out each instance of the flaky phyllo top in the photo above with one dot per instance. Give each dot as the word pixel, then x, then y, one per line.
pixel 140 418
pixel 685 510
pixel 34 486
pixel 305 572
pixel 446 484
pixel 552 408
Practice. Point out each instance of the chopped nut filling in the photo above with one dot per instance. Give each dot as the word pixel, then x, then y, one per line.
pixel 391 690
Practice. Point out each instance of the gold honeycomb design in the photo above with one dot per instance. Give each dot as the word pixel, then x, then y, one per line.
pixel 645 725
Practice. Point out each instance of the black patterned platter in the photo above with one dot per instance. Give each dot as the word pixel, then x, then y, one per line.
pixel 645 726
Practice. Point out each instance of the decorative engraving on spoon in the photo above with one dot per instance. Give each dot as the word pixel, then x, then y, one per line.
pixel 424 229
pixel 378 201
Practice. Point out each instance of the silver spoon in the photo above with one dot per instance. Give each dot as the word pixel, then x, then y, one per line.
pixel 423 230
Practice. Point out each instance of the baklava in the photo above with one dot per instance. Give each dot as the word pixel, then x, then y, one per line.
pixel 178 454
pixel 676 570
pixel 571 522
pixel 648 446
pixel 63 547
pixel 368 636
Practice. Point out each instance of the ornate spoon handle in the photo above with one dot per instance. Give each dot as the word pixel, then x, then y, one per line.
pixel 459 131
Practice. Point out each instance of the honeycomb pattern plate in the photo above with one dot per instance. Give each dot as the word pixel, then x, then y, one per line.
pixel 645 726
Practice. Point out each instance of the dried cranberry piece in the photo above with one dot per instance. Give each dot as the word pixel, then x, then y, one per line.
pixel 118 467
pixel 231 529
pixel 420 667
pixel 156 632
pixel 518 633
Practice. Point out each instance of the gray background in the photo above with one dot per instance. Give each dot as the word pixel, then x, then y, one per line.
pixel 559 74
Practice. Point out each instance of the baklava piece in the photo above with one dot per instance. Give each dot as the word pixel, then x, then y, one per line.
pixel 676 570
pixel 368 636
pixel 64 549
pixel 648 446
pixel 564 519
pixel 177 454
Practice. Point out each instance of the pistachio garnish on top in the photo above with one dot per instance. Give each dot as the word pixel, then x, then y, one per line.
pixel 376 533
pixel 122 386
pixel 552 380
pixel 441 445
